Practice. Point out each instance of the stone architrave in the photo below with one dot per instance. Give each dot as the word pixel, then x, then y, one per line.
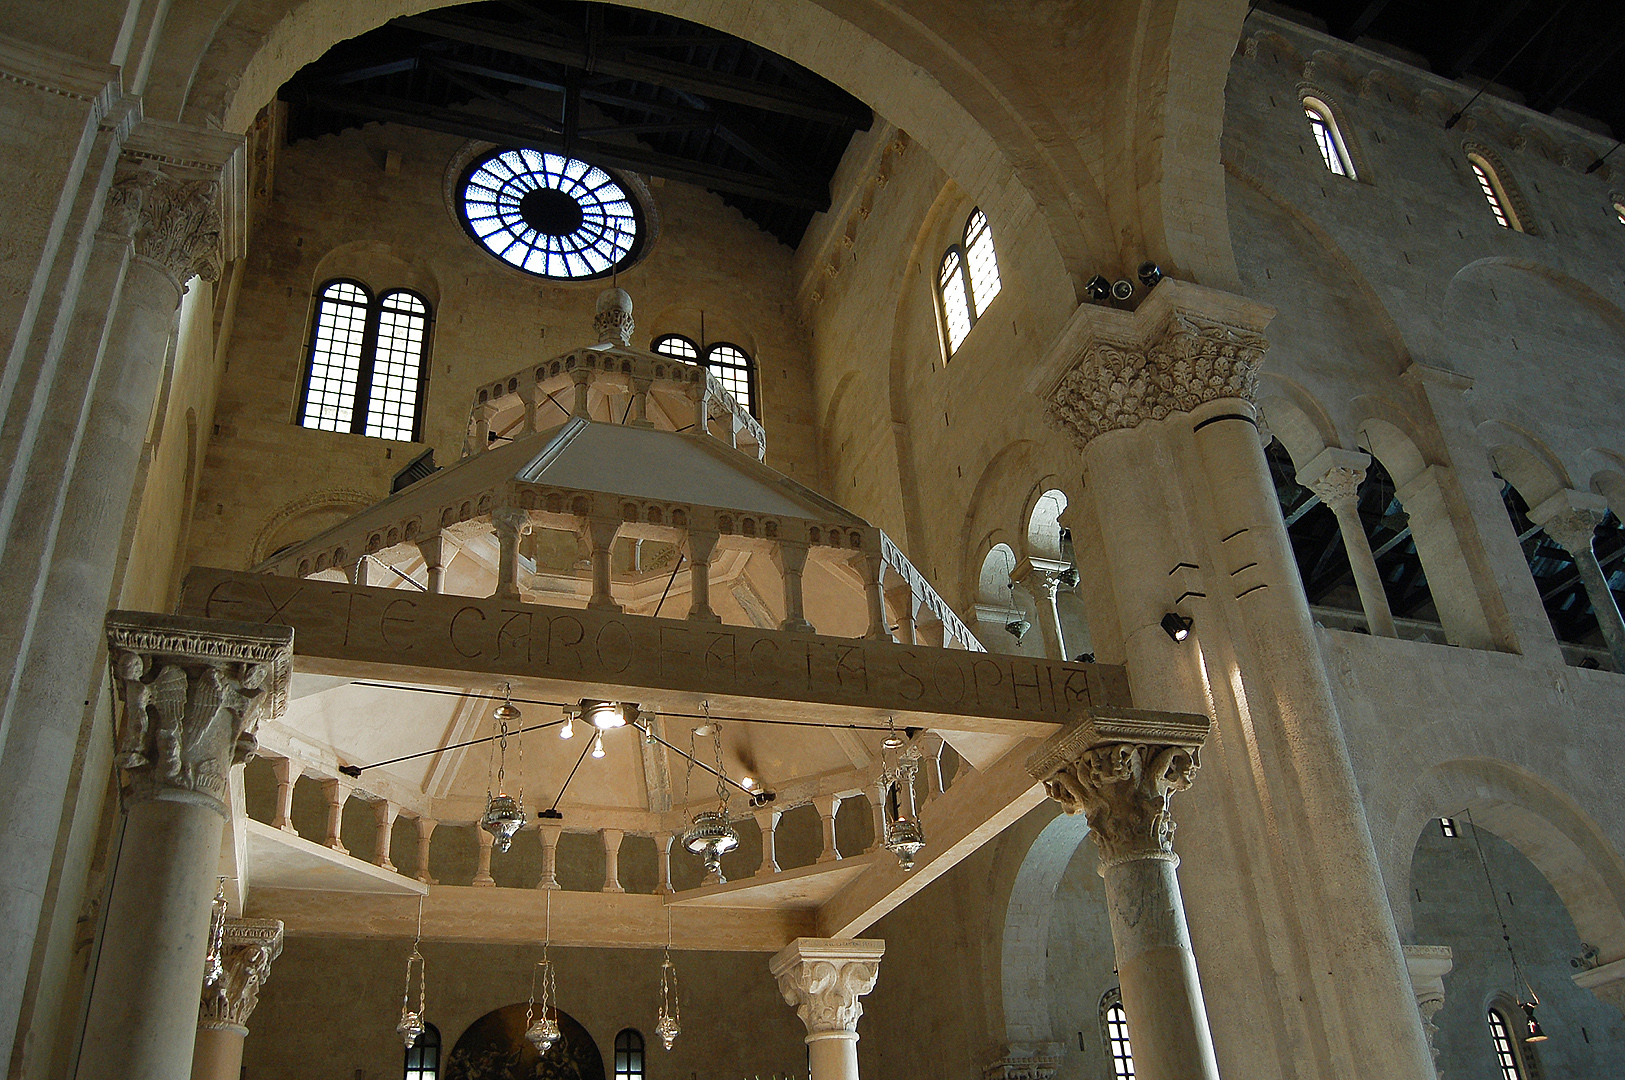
pixel 191 693
pixel 1120 769
pixel 824 978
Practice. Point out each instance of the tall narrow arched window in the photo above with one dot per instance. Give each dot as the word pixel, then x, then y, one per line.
pixel 955 298
pixel 368 362
pixel 629 1055
pixel 982 261
pixel 1328 138
pixel 732 365
pixel 423 1056
pixel 1506 1053
pixel 967 281
pixel 1115 1022
pixel 1495 193
pixel 677 347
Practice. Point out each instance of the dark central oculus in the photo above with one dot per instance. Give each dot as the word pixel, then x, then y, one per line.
pixel 550 211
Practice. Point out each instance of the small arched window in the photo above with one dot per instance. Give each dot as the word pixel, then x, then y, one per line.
pixel 1619 210
pixel 732 365
pixel 1506 1053
pixel 423 1056
pixel 1329 138
pixel 629 1055
pixel 1495 193
pixel 677 347
pixel 967 280
pixel 368 362
pixel 1115 1022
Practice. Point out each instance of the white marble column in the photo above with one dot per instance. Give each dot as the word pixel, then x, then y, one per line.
pixel 192 692
pixel 663 862
pixel 249 947
pixel 1119 769
pixel 1571 518
pixel 582 378
pixel 612 858
pixel 433 550
pixel 550 855
pixel 699 546
pixel 1041 578
pixel 767 821
pixel 426 826
pixel 510 524
pixel 791 559
pixel 385 812
pixel 337 793
pixel 482 871
pixel 1334 475
pixel 287 776
pixel 824 978
pixel 601 536
pixel 828 806
pixel 873 568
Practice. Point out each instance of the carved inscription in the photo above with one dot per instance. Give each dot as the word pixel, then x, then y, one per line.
pixel 373 625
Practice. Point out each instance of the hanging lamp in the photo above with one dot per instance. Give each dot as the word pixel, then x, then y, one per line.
pixel 904 836
pixel 214 964
pixel 542 1028
pixel 669 1025
pixel 711 836
pixel 504 815
pixel 411 1025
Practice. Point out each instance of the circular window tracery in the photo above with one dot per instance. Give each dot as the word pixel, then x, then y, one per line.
pixel 550 215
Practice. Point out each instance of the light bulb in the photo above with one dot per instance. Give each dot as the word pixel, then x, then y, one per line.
pixel 598 745
pixel 747 782
pixel 604 715
pixel 568 731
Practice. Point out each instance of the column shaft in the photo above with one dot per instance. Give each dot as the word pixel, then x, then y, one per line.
pixel 1379 617
pixel 612 859
pixel 1603 603
pixel 700 546
pixel 550 855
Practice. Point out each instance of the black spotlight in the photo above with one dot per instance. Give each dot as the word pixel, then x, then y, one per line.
pixel 1122 289
pixel 1177 626
pixel 1149 273
pixel 1098 288
pixel 1535 1033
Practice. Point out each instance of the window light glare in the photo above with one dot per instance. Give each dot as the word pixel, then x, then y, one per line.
pixel 1487 183
pixel 1447 826
pixel 1506 1058
pixel 549 215
pixel 1328 139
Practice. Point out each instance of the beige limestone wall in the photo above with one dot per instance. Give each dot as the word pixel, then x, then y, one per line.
pixel 267 482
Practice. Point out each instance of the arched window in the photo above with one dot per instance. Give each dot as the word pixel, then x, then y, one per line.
pixel 1115 1022
pixel 1506 1054
pixel 368 362
pixel 423 1056
pixel 629 1055
pixel 677 347
pixel 1619 210
pixel 1495 193
pixel 967 280
pixel 1329 138
pixel 733 366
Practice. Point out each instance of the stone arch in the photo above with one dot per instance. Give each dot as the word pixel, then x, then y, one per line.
pixel 380 266
pixel 1389 437
pixel 1535 816
pixel 1024 960
pixel 315 512
pixel 1043 520
pixel 1294 416
pixel 990 501
pixel 1523 461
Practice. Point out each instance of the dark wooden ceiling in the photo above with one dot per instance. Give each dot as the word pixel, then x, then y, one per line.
pixel 1555 54
pixel 625 89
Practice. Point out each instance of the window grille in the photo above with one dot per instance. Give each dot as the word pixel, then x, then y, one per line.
pixel 1115 1020
pixel 1328 138
pixel 423 1056
pixel 956 315
pixel 1506 1056
pixel 1447 826
pixel 677 347
pixel 550 215
pixel 367 365
pixel 967 281
pixel 1494 193
pixel 732 365
pixel 629 1055
pixel 984 264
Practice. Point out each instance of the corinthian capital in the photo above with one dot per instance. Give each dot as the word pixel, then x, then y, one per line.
pixel 246 953
pixel 192 693
pixel 1119 770
pixel 823 978
pixel 1571 518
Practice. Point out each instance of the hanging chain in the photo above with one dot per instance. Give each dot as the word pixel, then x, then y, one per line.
pixel 1506 935
pixel 519 737
pixel 688 775
pixel 722 785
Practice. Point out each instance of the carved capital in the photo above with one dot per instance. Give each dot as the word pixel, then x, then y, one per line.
pixel 1120 769
pixel 1338 486
pixel 824 978
pixel 1571 518
pixel 1026 1062
pixel 192 692
pixel 613 323
pixel 175 223
pixel 249 947
pixel 1186 361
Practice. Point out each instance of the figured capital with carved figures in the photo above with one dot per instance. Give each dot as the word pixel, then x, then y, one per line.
pixel 1120 768
pixel 191 694
pixel 246 953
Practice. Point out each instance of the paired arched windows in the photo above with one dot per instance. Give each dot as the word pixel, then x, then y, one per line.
pixel 1506 1053
pixel 1495 192
pixel 423 1056
pixel 727 361
pixel 368 362
pixel 967 280
pixel 1115 1023
pixel 629 1054
pixel 1334 150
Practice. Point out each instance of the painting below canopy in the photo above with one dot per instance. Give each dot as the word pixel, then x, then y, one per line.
pixel 494 1048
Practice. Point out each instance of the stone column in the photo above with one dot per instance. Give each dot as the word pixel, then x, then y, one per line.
pixel 425 831
pixel 1571 518
pixel 433 550
pixel 287 775
pixel 873 569
pixel 1334 475
pixel 767 820
pixel 360 571
pixel 901 598
pixel 1041 578
pixel 386 812
pixel 1120 769
pixel 699 547
pixel 876 797
pixel 828 806
pixel 582 378
pixel 824 978
pixel 550 855
pixel 338 793
pixel 1428 965
pixel 791 559
pixel 192 692
pixel 698 394
pixel 663 863
pixel 480 437
pixel 482 872
pixel 510 524
pixel 601 535
pixel 640 402
pixel 612 859
pixel 249 947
